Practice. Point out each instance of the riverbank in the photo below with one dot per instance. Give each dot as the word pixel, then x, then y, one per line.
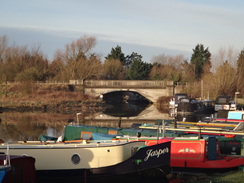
pixel 61 98
pixel 232 176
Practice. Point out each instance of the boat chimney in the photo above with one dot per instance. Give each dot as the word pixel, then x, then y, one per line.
pixel 199 134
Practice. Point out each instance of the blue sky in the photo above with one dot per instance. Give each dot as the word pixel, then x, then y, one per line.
pixel 149 28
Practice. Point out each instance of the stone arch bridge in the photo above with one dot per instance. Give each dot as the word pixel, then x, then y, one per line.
pixel 151 90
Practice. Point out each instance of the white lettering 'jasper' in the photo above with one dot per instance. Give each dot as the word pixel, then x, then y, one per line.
pixel 158 152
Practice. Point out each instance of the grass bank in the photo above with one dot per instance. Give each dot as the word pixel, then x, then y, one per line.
pixel 47 97
pixel 235 176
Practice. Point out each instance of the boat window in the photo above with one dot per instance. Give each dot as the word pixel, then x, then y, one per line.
pixel 75 159
pixel 222 101
pixel 86 135
pixel 112 132
pixel 185 100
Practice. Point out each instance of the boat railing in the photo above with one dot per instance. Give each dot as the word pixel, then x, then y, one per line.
pixel 239 127
pixel 6 162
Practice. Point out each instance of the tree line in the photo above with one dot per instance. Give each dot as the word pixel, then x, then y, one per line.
pixel 221 74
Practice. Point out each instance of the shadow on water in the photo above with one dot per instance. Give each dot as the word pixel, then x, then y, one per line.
pixel 125 103
pixel 193 116
pixel 124 109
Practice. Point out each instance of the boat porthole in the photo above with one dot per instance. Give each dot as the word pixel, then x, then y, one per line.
pixel 75 159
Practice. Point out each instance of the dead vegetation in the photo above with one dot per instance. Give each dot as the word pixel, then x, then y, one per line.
pixel 61 97
pixel 162 104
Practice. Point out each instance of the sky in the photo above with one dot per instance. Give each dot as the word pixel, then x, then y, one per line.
pixel 148 28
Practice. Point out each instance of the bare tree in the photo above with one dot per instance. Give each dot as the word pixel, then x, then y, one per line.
pixel 167 67
pixel 175 61
pixel 113 69
pixel 18 63
pixel 224 80
pixel 14 61
pixel 188 71
pixel 159 59
pixel 158 72
pixel 240 73
pixel 3 46
pixel 222 56
pixel 79 61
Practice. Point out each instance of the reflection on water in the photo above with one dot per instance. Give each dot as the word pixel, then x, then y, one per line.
pixel 124 109
pixel 124 103
pixel 193 116
pixel 189 118
pixel 30 125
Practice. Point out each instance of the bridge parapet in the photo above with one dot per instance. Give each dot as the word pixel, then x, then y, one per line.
pixel 126 84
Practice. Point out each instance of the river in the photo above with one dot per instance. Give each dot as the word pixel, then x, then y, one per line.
pixel 15 126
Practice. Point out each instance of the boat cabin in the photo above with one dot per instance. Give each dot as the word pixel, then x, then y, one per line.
pixel 236 115
pixel 224 103
pixel 230 116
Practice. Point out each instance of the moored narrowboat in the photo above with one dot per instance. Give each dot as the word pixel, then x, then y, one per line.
pixel 91 161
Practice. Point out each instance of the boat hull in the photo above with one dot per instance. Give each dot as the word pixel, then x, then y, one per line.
pixel 152 175
pixel 103 161
pixel 3 171
pixel 21 169
pixel 59 156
